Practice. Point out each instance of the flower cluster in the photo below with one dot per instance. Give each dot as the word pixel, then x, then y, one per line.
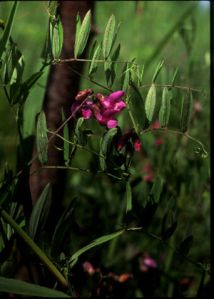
pixel 102 108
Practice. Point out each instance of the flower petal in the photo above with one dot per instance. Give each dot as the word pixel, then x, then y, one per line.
pixel 86 113
pixel 115 96
pixel 112 123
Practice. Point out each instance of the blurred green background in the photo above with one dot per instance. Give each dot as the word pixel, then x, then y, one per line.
pixel 144 24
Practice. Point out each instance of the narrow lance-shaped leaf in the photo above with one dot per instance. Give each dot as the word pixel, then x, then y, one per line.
pixel 105 146
pixel 34 247
pixel 19 287
pixel 39 212
pixel 126 77
pixel 186 245
pixel 82 35
pixel 78 131
pixel 99 241
pixel 157 71
pixel 56 36
pixel 94 63
pixel 8 28
pixel 156 190
pixel 164 112
pixel 78 26
pixel 62 228
pixel 108 37
pixel 174 76
pixel 109 67
pixel 136 107
pixel 42 138
pixel 150 102
pixel 186 110
pixel 169 225
pixel 128 197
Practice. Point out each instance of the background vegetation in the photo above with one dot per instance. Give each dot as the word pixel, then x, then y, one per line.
pixel 150 31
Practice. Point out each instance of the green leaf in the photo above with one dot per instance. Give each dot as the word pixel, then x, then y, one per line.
pixel 20 287
pixel 82 35
pixel 78 26
pixel 40 211
pixel 156 190
pixel 99 241
pixel 52 9
pixel 164 112
pixel 8 28
pixel 126 76
pixel 137 108
pixel 62 228
pixel 157 71
pixel 169 225
pixel 42 138
pixel 78 132
pixel 106 146
pixel 42 256
pixel 186 111
pixel 174 76
pixel 66 146
pixel 150 102
pixel 56 36
pixel 186 245
pixel 109 67
pixel 94 63
pixel 128 197
pixel 108 37
pixel 19 93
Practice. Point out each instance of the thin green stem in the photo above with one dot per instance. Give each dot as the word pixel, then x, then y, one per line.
pixel 204 155
pixel 171 86
pixel 78 145
pixel 89 79
pixel 41 255
pixel 76 169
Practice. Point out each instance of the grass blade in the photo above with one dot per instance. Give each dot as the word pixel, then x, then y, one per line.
pixel 39 212
pixel 42 256
pixel 8 28
pixel 28 289
pixel 99 241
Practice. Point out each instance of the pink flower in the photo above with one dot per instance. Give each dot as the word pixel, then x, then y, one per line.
pixel 107 107
pixel 146 262
pixel 103 108
pixel 88 267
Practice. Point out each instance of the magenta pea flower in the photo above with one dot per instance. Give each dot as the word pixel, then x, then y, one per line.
pixel 103 108
pixel 108 107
